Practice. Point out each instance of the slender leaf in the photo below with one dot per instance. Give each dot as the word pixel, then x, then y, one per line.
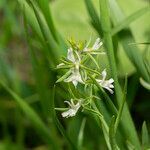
pixel 39 126
pixel 53 48
pixel 127 123
pixel 121 106
pixel 44 5
pixel 126 38
pixel 145 136
pixel 112 134
pixel 46 10
pixel 126 22
pixel 81 133
pixel 95 20
pixel 38 71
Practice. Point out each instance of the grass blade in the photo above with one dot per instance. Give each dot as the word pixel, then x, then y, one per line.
pixel 81 132
pixel 126 38
pixel 44 5
pixel 125 23
pixel 112 134
pixel 95 20
pixel 121 107
pixel 39 126
pixel 127 123
pixel 133 52
pixel 49 41
pixel 145 136
pixel 46 10
pixel 39 76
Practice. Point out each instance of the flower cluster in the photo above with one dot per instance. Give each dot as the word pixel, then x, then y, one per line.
pixel 78 66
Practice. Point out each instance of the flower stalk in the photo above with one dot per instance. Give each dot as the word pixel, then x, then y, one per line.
pixel 127 123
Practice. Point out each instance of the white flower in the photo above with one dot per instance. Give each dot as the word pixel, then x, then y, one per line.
pixel 97 44
pixel 71 57
pixel 75 77
pixel 107 84
pixel 72 110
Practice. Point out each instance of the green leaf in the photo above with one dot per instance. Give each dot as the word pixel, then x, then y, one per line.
pixel 133 52
pixel 106 28
pixel 37 123
pixel 95 20
pixel 126 37
pixel 130 145
pixel 49 41
pixel 145 136
pixel 126 22
pixel 46 10
pixel 112 134
pixel 81 133
pixel 31 19
pixel 39 76
pixel 121 106
pixel 127 123
pixel 44 5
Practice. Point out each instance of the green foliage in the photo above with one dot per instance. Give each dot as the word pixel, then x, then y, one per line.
pixel 145 136
pixel 30 105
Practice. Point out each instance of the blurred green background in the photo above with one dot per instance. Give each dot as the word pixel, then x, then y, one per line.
pixel 18 69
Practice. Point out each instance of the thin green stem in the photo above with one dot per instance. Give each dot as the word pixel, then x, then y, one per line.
pixel 121 107
pixel 90 70
pixel 127 122
pixel 109 46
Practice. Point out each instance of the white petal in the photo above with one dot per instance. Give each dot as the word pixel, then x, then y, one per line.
pixel 78 77
pixel 73 110
pixel 68 103
pixel 111 80
pixel 104 74
pixel 65 114
pixel 77 106
pixel 69 113
pixel 75 83
pixel 111 86
pixel 97 44
pixel 70 55
pixel 110 90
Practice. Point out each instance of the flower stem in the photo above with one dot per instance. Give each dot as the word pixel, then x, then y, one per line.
pixel 127 123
